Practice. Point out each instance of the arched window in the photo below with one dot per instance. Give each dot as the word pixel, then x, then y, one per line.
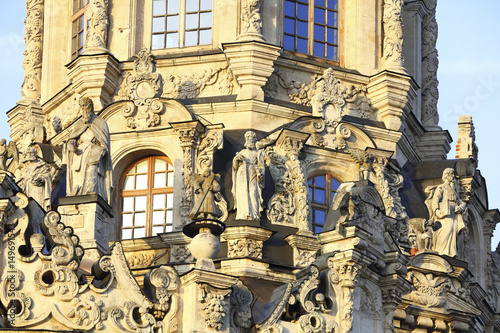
pixel 321 191
pixel 146 198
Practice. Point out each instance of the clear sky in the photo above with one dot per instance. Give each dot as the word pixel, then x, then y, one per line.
pixel 469 75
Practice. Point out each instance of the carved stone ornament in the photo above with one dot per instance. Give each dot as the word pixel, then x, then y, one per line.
pixel 144 88
pixel 430 63
pixel 163 284
pixel 393 35
pixel 244 248
pixel 429 290
pixel 251 22
pixel 97 28
pixel 330 134
pixel 215 306
pixel 37 178
pixel 289 204
pixel 181 253
pixel 184 86
pixel 32 63
pixel 7 152
pixel 241 311
pixel 324 90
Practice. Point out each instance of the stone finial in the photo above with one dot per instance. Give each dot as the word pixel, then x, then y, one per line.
pixel 466 143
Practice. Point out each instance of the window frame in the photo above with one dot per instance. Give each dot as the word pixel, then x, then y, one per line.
pixel 77 15
pixel 318 206
pixel 182 27
pixel 310 32
pixel 149 192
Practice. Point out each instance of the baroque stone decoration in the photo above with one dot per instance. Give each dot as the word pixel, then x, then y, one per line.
pixel 251 22
pixel 87 155
pixel 289 204
pixel 393 35
pixel 323 90
pixel 97 27
pixel 329 229
pixel 430 63
pixel 248 180
pixel 144 89
pixel 33 39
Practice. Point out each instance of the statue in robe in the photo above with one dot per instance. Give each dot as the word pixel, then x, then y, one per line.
pixel 87 155
pixel 248 180
pixel 37 181
pixel 446 210
pixel 207 195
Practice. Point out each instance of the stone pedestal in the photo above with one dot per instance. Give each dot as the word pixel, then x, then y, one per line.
pixel 95 76
pixel 207 296
pixel 252 64
pixel 305 249
pixel 89 217
pixel 245 241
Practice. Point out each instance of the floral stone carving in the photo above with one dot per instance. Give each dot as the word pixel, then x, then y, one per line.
pixel 97 28
pixel 289 204
pixel 251 22
pixel 33 38
pixel 215 304
pixel 144 88
pixel 393 35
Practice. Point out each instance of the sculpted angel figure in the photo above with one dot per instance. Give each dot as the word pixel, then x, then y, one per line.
pixel 87 155
pixel 7 151
pixel 248 180
pixel 446 208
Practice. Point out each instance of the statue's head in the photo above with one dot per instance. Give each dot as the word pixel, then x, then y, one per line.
pixel 87 108
pixel 250 139
pixel 31 154
pixel 449 175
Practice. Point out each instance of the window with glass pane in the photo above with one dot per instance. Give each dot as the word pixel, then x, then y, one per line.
pixel 168 29
pixel 321 191
pixel 311 27
pixel 78 27
pixel 146 198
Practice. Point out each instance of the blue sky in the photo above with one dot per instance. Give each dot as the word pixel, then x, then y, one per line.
pixel 469 75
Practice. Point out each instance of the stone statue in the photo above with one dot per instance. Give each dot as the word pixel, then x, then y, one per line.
pixel 37 181
pixel 87 155
pixel 445 213
pixel 7 151
pixel 206 189
pixel 248 180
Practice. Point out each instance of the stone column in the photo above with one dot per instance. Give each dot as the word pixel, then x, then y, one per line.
pixel 348 278
pixel 393 36
pixel 251 22
pixel 189 136
pixel 97 28
pixel 32 63
pixel 430 63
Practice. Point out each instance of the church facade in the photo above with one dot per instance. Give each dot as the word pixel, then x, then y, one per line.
pixel 237 166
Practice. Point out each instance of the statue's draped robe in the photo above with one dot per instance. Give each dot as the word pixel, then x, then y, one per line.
pixel 90 171
pixel 444 202
pixel 248 170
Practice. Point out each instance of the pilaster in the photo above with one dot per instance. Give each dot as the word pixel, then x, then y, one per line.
pixel 189 135
pixel 245 241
